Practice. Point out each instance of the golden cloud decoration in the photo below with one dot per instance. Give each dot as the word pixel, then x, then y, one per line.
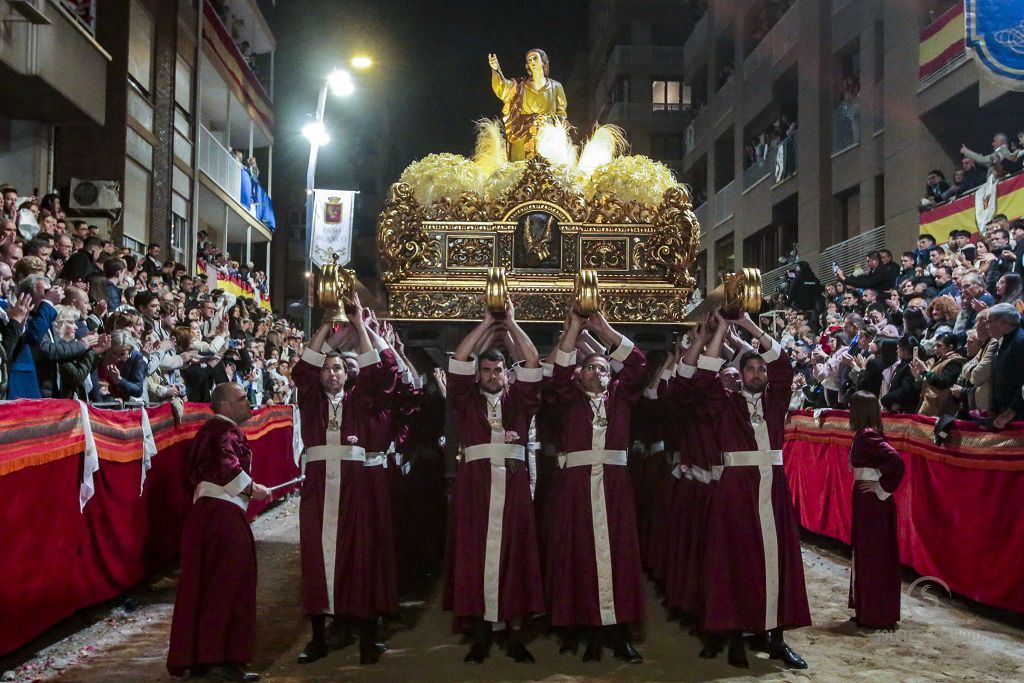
pixel 631 179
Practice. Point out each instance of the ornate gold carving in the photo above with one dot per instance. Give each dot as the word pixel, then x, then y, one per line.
pixel 402 242
pixel 674 246
pixel 606 209
pixel 538 248
pixel 470 252
pixel 604 254
pixel 540 183
pixel 646 281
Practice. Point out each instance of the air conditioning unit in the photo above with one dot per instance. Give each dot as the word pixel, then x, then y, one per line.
pixel 95 195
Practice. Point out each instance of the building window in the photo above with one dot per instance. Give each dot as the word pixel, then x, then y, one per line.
pixel 667 95
pixel 137 181
pixel 179 236
pixel 140 46
pixel 666 147
pixel 621 91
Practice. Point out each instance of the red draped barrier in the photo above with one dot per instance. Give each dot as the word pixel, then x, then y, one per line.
pixel 58 558
pixel 956 505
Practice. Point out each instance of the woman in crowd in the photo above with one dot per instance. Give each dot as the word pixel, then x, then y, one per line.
pixel 938 376
pixel 122 370
pixel 914 322
pixel 1009 290
pixel 942 313
pixel 883 355
pixel 983 256
pixel 899 391
pixel 878 470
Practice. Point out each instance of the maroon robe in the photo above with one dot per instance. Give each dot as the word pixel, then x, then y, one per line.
pixel 493 566
pixel 344 514
pixel 594 572
pixel 215 609
pixel 699 454
pixel 754 572
pixel 875 582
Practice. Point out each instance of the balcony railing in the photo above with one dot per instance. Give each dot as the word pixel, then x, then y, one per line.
pixel 879 107
pixel 725 203
pixel 219 164
pixel 771 279
pixel 850 253
pixel 84 12
pixel 646 113
pixel 703 213
pixel 941 46
pixel 759 170
pixel 846 125
pixel 623 58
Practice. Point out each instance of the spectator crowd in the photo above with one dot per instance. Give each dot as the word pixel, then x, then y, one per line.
pixel 82 318
pixel 936 332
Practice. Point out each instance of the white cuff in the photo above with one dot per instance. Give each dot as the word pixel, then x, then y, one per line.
pixel 529 374
pixel 238 484
pixel 461 367
pixel 686 371
pixel 616 366
pixel 314 358
pixel 566 360
pixel 408 378
pixel 709 363
pixel 773 353
pixel 668 374
pixel 547 368
pixel 651 393
pixel 367 359
pixel 880 492
pixel 326 348
pixel 623 350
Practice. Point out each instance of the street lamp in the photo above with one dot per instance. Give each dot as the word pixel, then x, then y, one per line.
pixel 361 62
pixel 340 83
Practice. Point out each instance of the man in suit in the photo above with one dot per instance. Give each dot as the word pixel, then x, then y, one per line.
pixel 82 263
pixel 24 382
pixel 1008 368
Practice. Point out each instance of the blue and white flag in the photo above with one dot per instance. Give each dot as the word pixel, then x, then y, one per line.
pixel 995 33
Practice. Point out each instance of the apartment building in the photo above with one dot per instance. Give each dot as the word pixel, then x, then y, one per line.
pixel 821 121
pixel 144 99
pixel 635 73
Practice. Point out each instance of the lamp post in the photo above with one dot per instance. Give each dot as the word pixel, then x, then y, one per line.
pixel 340 83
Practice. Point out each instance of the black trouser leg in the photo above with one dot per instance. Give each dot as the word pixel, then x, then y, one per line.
pixel 368 652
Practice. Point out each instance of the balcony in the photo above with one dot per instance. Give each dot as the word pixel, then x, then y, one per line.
pixel 759 170
pixel 696 46
pixel 725 203
pixel 653 58
pixel 223 54
pixel 941 46
pixel 648 114
pixel 233 180
pixel 779 40
pixel 846 126
pixel 56 71
pixel 850 253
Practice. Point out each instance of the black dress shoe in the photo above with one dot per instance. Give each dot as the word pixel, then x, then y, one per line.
pixel 517 651
pixel 593 652
pixel 785 654
pixel 381 646
pixel 478 653
pixel 313 651
pixel 738 655
pixel 627 653
pixel 231 672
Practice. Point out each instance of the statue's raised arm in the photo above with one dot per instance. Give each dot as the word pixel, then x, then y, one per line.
pixel 528 101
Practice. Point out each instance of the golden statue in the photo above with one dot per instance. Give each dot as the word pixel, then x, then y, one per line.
pixel 527 102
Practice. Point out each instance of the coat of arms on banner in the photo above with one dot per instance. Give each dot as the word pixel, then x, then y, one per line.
pixel 333 210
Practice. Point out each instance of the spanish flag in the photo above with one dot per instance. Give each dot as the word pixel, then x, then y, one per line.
pixel 960 214
pixel 941 41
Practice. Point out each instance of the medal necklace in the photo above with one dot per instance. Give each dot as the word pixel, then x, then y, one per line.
pixel 335 408
pixel 600 413
pixel 492 412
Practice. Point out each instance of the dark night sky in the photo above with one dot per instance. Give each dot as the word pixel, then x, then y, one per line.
pixel 431 82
